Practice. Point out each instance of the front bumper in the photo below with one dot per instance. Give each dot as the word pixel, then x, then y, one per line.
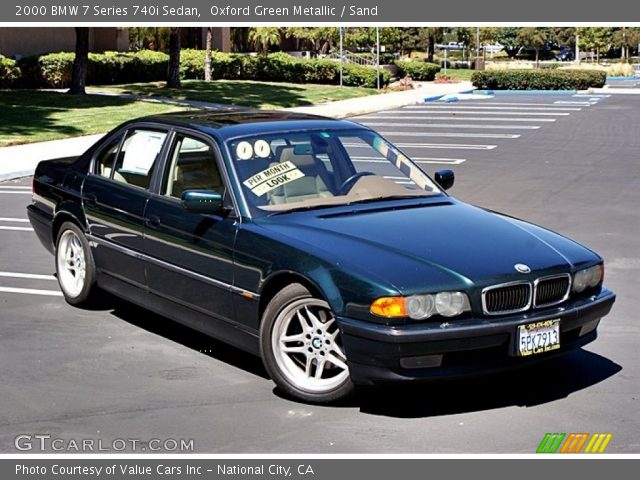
pixel 381 353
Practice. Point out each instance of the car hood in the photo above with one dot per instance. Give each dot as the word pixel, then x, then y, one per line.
pixel 445 241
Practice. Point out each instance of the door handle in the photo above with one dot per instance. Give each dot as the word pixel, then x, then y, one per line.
pixel 152 221
pixel 91 200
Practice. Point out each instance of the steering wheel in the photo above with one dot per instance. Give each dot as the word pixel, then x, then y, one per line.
pixel 348 184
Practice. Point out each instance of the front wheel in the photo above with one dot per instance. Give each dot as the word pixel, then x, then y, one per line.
pixel 75 268
pixel 302 349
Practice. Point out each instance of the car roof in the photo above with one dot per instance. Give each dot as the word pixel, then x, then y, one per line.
pixel 230 124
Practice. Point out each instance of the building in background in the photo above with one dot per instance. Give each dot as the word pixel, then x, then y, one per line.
pixel 17 42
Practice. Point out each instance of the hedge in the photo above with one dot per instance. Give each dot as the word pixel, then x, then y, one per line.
pixel 420 71
pixel 277 67
pixel 9 72
pixel 54 70
pixel 538 79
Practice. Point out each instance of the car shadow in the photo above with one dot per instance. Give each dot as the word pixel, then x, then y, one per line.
pixel 528 386
pixel 174 331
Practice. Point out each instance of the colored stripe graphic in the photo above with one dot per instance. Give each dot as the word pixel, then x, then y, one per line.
pixel 550 443
pixel 598 443
pixel 574 443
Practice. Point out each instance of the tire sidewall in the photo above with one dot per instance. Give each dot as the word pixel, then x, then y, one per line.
pixel 89 276
pixel 279 302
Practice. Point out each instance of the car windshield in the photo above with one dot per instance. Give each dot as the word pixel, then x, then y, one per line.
pixel 313 169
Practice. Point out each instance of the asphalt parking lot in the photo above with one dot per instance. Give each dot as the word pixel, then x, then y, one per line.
pixel 568 162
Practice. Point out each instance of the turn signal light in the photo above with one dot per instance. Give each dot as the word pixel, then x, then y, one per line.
pixel 389 307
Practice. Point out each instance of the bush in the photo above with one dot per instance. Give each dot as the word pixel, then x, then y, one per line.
pixel 419 71
pixel 9 72
pixel 538 79
pixel 54 70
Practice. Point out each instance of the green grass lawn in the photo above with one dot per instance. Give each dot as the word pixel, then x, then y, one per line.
pixel 244 92
pixel 463 74
pixel 30 116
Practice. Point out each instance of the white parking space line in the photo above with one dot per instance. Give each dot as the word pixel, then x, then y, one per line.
pixel 454 146
pixel 16 187
pixel 448 161
pixel 32 276
pixel 448 110
pixel 26 192
pixel 16 220
pixel 523 104
pixel 452 125
pixel 450 117
pixel 576 102
pixel 20 229
pixel 31 291
pixel 484 107
pixel 452 134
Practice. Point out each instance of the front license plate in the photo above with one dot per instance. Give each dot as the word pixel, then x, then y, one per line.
pixel 538 337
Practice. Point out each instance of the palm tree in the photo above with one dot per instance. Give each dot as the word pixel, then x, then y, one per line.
pixel 173 74
pixel 80 62
pixel 264 37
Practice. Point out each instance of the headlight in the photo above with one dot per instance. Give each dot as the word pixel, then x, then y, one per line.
pixel 421 307
pixel 588 278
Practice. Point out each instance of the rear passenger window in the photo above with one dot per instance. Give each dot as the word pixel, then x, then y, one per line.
pixel 138 157
pixel 106 158
pixel 192 166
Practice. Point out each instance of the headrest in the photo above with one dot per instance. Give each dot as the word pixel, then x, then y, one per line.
pixel 288 154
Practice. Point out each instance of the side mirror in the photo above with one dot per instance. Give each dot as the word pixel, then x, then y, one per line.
pixel 445 178
pixel 201 201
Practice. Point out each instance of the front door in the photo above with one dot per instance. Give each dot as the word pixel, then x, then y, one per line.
pixel 190 254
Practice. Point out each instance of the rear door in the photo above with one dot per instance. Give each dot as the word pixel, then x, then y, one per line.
pixel 115 195
pixel 191 254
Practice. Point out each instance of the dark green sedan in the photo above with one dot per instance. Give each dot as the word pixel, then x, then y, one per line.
pixel 316 244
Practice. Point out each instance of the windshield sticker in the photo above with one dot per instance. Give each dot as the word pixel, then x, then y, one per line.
pixel 244 151
pixel 272 178
pixel 262 149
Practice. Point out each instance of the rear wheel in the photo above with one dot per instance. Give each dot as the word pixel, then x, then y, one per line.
pixel 302 349
pixel 75 267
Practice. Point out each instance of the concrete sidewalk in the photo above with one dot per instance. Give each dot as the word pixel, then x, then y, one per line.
pixel 21 160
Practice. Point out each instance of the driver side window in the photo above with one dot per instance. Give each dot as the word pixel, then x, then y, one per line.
pixel 192 166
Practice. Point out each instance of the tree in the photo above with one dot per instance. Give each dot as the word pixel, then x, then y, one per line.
pixel 80 62
pixel 434 35
pixel 264 37
pixel 488 36
pixel 535 38
pixel 173 73
pixel 508 37
pixel 595 38
pixel 207 55
pixel 563 36
pixel 626 39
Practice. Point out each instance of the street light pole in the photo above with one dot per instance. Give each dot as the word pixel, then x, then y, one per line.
pixel 378 58
pixel 341 55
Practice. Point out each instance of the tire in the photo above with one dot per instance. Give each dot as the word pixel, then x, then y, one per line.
pixel 75 267
pixel 303 364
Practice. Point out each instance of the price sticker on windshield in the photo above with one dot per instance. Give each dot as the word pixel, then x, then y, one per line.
pixel 272 178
